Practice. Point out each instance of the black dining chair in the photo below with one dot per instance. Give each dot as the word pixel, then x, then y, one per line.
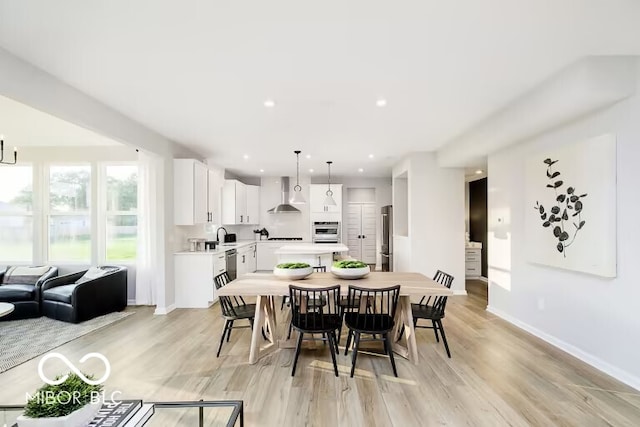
pixel 233 308
pixel 375 317
pixel 309 317
pixel 434 311
pixel 316 269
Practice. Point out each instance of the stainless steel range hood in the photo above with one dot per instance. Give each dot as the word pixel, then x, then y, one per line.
pixel 284 206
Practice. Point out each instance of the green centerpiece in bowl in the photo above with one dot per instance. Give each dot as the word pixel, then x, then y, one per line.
pixel 72 403
pixel 350 269
pixel 293 270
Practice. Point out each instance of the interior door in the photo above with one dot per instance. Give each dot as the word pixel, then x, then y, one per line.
pixel 354 230
pixel 368 233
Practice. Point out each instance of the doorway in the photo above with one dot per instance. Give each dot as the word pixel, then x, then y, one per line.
pixel 477 249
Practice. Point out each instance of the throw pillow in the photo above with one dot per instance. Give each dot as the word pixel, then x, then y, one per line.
pixel 91 274
pixel 96 272
pixel 22 275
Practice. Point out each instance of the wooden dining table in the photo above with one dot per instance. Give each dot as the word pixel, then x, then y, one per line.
pixel 264 286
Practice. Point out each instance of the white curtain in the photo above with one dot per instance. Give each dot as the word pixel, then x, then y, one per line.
pixel 146 274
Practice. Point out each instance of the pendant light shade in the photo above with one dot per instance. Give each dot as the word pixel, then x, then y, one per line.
pixel 329 201
pixel 298 198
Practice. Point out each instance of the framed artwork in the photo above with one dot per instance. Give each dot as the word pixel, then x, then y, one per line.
pixel 570 212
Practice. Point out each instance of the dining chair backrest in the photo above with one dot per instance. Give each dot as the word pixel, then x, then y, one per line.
pixel 314 308
pixel 444 279
pixel 228 305
pixel 373 308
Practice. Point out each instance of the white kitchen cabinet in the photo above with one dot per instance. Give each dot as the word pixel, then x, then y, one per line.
pixel 317 208
pixel 473 262
pixel 361 231
pixel 246 260
pixel 190 192
pixel 214 189
pixel 194 273
pixel 234 202
pixel 253 204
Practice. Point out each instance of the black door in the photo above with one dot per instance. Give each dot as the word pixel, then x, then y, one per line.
pixel 478 217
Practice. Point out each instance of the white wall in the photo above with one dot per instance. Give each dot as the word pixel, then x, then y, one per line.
pixel 593 318
pixel 436 219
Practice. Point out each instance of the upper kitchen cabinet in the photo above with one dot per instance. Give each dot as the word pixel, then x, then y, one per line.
pixel 190 192
pixel 240 203
pixel 321 212
pixel 253 204
pixel 215 184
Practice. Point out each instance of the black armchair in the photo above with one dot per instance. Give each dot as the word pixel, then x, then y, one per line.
pixel 21 286
pixel 63 298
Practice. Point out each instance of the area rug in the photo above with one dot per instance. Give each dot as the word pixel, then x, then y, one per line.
pixel 22 340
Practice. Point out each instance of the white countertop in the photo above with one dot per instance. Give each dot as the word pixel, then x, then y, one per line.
pixel 311 249
pixel 220 249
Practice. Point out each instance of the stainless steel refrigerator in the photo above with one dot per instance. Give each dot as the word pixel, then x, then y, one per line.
pixel 387 238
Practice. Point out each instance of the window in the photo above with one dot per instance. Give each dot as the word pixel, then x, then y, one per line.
pixel 70 213
pixel 16 214
pixel 122 218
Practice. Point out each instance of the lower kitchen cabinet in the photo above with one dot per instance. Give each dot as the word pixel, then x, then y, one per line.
pixel 473 262
pixel 247 259
pixel 194 273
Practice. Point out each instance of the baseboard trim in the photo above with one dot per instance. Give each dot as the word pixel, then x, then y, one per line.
pixel 131 302
pixel 164 310
pixel 483 279
pixel 460 292
pixel 617 373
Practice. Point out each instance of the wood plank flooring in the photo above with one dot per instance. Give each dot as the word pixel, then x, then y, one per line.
pixel 498 375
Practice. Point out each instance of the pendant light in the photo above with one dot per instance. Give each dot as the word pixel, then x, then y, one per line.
pixel 328 201
pixel 297 198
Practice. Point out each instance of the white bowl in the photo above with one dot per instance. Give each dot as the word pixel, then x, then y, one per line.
pixel 292 273
pixel 350 273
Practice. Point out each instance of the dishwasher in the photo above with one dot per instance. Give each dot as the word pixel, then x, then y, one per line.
pixel 232 268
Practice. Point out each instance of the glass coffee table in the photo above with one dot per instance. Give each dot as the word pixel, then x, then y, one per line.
pixel 6 308
pixel 188 413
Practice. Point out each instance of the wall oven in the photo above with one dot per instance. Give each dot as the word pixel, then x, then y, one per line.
pixel 326 232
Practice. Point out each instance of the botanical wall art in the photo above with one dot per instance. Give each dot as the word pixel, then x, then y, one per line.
pixel 570 212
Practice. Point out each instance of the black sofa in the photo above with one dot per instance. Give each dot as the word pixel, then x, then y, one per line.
pixel 75 298
pixel 21 286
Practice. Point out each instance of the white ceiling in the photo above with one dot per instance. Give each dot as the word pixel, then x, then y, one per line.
pixel 23 126
pixel 198 71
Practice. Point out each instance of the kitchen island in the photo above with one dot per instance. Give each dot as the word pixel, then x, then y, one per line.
pixel 320 254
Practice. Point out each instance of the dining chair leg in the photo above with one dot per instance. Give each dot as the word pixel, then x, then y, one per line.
pixel 346 347
pixel 224 332
pixel 444 338
pixel 387 344
pixel 295 358
pixel 284 299
pixel 229 330
pixel 342 311
pixel 355 354
pixel 290 329
pixel 332 347
pixel 250 322
pixel 435 330
pixel 335 342
pixel 402 331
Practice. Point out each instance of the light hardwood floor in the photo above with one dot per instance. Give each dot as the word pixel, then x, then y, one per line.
pixel 499 375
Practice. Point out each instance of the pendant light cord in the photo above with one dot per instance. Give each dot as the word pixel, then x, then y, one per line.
pixel 329 192
pixel 297 187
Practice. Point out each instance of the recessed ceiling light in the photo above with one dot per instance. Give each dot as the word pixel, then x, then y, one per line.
pixel 246 156
pixel 269 103
pixel 479 171
pixel 371 156
pixel 381 102
pixel 308 156
pixel 360 170
pixel 311 170
pixel 261 170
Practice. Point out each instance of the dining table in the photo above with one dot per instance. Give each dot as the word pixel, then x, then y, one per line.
pixel 266 286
